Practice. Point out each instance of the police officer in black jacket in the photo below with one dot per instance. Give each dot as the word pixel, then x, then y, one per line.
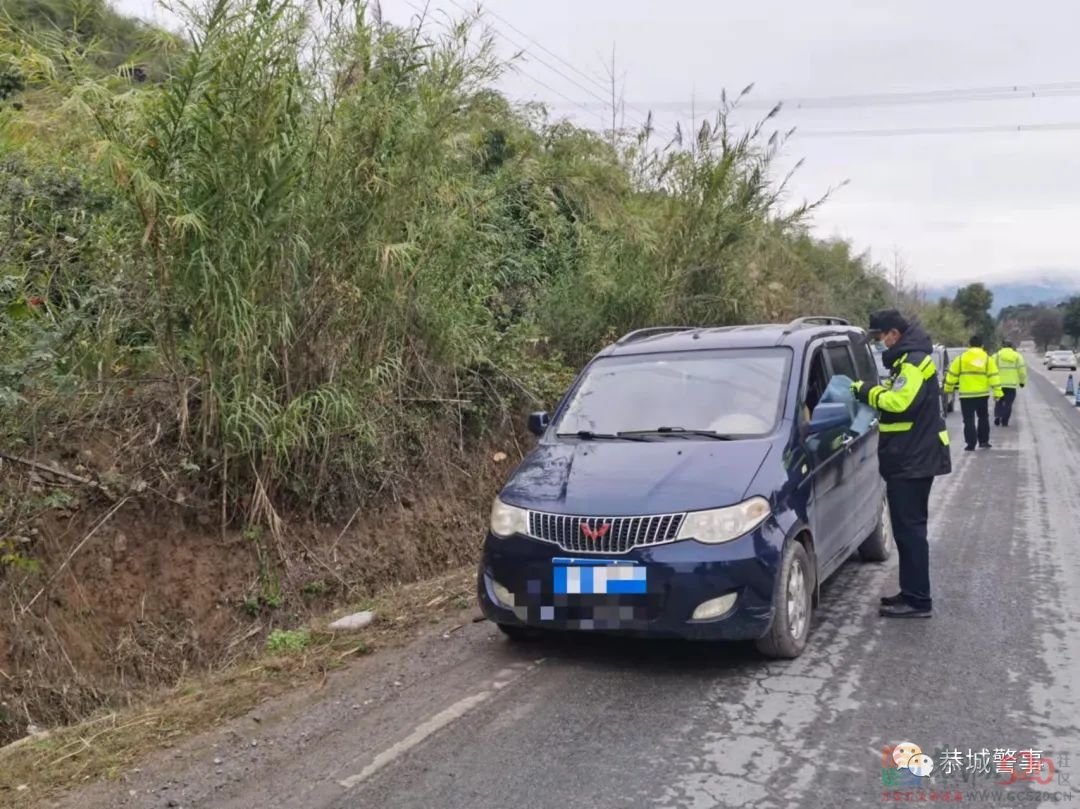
pixel 913 449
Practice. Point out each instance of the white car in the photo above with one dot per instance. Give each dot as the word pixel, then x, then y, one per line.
pixel 1060 359
pixel 942 359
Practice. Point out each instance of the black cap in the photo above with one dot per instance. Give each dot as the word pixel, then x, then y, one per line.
pixel 886 320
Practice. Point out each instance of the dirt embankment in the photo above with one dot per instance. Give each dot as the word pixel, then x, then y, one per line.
pixel 112 590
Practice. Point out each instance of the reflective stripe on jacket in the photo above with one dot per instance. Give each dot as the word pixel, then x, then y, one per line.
pixel 976 373
pixel 914 442
pixel 1011 368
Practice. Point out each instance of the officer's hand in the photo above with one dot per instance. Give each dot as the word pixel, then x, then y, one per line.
pixel 857 386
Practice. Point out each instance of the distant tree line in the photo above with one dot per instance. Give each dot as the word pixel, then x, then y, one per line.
pixel 953 321
pixel 1048 325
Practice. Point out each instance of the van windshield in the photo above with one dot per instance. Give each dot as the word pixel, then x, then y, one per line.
pixel 736 392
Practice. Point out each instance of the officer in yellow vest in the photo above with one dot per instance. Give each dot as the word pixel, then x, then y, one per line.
pixel 976 374
pixel 913 449
pixel 1013 372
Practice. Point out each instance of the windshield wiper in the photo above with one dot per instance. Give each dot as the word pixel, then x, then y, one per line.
pixel 589 435
pixel 683 431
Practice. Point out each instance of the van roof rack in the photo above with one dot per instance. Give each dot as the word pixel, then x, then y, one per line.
pixel 640 334
pixel 817 320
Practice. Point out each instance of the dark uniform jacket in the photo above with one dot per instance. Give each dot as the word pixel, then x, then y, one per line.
pixel 914 441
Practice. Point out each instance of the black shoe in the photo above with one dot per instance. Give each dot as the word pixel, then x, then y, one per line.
pixel 997 422
pixel 986 446
pixel 969 449
pixel 903 611
pixel 892 601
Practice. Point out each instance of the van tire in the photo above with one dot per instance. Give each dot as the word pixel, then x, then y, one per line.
pixel 878 547
pixel 782 641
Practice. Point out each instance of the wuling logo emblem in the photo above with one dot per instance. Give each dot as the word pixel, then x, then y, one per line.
pixel 594 534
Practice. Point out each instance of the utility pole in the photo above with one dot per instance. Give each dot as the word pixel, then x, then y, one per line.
pixel 898 279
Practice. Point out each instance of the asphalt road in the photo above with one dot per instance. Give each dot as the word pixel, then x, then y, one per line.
pixel 474 721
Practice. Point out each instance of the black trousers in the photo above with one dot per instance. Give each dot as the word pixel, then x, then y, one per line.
pixel 972 409
pixel 1003 406
pixel 909 506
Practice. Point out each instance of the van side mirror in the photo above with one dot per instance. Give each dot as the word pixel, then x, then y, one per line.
pixel 830 416
pixel 538 422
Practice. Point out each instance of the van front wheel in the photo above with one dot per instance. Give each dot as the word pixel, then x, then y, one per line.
pixel 793 607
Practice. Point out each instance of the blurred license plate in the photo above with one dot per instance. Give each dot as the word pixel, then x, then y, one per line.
pixel 598 577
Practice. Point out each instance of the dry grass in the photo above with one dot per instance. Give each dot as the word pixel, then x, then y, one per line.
pixel 34 769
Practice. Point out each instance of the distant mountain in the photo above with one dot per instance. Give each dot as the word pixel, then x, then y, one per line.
pixel 1034 291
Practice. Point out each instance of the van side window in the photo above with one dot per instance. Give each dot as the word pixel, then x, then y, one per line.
pixel 841 362
pixel 817 379
pixel 864 361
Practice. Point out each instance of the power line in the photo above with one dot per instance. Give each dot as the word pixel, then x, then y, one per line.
pixel 1063 126
pixel 596 83
pixel 550 89
pixel 590 109
pixel 1016 92
pixel 541 46
pixel 522 49
pixel 605 102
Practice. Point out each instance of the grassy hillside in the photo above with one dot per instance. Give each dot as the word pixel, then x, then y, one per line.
pixel 310 262
pixel 309 244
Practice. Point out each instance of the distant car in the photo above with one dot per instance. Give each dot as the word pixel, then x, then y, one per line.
pixel 1061 359
pixel 942 358
pixel 1046 357
pixel 883 372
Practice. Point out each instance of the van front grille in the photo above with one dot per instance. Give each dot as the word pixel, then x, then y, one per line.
pixel 604 534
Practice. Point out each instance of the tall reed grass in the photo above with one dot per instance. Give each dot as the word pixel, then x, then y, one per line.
pixel 342 238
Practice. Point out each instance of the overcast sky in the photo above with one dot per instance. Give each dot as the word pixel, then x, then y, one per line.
pixel 958 206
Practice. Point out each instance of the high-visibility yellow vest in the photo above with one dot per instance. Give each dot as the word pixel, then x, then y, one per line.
pixel 976 373
pixel 1011 368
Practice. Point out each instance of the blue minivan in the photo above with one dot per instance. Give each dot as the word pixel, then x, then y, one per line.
pixel 692 483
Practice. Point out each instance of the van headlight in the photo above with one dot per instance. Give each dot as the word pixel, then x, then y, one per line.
pixel 508 520
pixel 725 524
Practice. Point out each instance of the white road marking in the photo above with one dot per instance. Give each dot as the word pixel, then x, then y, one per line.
pixel 435 723
pixel 438 722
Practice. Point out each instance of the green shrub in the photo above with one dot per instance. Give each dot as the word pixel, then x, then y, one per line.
pixel 288 641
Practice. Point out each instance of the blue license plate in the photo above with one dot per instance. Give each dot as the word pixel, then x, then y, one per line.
pixel 598 577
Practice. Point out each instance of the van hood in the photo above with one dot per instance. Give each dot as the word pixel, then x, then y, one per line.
pixel 621 478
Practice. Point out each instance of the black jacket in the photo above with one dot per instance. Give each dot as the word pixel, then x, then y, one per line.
pixel 914 441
